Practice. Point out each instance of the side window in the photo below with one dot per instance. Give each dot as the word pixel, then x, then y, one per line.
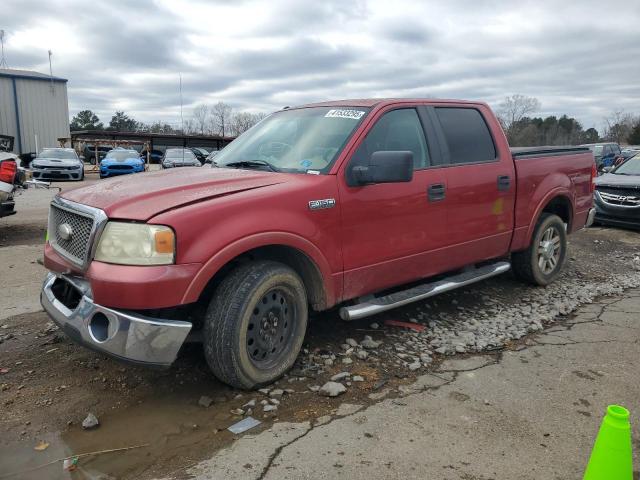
pixel 467 135
pixel 395 130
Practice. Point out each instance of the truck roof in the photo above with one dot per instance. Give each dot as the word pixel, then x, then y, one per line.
pixel 372 102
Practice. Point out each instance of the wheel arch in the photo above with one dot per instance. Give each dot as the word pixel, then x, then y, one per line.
pixel 297 253
pixel 557 202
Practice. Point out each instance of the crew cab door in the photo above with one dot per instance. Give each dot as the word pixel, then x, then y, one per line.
pixel 481 184
pixel 390 230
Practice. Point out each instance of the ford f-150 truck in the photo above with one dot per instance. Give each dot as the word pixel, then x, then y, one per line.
pixel 366 204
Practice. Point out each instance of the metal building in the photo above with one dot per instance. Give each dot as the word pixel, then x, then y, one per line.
pixel 33 109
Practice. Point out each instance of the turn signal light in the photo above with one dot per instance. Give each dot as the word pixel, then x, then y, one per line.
pixel 164 241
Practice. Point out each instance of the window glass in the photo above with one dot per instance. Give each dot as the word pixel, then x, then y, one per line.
pixel 466 134
pixel 398 130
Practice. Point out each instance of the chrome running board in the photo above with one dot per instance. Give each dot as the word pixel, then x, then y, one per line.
pixel 373 306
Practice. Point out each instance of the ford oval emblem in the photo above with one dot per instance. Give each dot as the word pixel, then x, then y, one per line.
pixel 65 231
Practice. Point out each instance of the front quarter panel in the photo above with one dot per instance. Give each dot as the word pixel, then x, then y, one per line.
pixel 215 231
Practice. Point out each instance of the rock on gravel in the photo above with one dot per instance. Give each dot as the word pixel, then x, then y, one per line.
pixel 340 376
pixel 332 389
pixel 369 343
pixel 205 401
pixel 90 422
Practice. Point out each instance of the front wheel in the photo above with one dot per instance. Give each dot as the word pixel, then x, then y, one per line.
pixel 541 263
pixel 255 324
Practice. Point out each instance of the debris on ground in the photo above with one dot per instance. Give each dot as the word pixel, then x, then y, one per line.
pixel 412 326
pixel 91 421
pixel 41 446
pixel 244 425
pixel 332 389
pixel 70 464
pixel 205 401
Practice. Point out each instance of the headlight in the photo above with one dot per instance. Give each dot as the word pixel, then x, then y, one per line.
pixel 136 244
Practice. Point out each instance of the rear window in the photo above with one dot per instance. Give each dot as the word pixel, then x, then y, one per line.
pixel 467 135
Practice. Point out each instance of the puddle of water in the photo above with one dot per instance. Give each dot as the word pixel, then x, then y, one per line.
pixel 178 431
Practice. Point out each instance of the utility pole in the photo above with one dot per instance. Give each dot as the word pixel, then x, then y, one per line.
pixel 51 72
pixel 3 60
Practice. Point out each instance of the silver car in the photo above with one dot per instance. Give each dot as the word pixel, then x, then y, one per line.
pixel 57 164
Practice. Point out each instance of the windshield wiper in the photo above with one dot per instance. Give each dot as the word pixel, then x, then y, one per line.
pixel 251 164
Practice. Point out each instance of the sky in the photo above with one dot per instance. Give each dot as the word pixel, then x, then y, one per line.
pixel 581 58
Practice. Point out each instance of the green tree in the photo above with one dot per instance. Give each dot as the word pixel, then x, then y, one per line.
pixel 85 120
pixel 121 122
pixel 591 135
pixel 634 136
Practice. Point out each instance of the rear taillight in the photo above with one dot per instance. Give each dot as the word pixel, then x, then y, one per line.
pixel 8 169
pixel 594 174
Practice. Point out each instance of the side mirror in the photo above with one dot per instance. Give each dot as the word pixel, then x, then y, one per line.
pixel 384 167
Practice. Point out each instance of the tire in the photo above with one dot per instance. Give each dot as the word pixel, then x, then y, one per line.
pixel 258 296
pixel 539 267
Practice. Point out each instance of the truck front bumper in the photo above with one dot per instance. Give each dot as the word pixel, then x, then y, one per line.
pixel 125 335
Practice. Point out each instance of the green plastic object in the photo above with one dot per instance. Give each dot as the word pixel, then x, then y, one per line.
pixel 611 454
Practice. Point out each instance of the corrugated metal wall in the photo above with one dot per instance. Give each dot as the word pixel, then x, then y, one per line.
pixel 7 110
pixel 43 109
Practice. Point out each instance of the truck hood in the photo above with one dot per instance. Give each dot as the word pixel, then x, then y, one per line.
pixel 140 197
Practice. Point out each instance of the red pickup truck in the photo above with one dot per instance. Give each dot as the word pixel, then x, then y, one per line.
pixel 359 203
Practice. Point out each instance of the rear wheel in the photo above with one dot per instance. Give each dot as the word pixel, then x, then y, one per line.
pixel 255 324
pixel 541 263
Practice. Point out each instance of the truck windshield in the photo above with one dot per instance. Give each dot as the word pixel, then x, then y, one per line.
pixel 298 141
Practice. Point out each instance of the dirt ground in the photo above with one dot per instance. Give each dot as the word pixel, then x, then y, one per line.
pixel 48 384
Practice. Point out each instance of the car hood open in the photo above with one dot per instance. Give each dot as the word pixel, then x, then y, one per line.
pixel 140 197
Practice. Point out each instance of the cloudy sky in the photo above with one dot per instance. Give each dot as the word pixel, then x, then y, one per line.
pixel 581 58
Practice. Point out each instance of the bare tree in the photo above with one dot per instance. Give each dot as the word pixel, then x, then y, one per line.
pixel 618 126
pixel 201 117
pixel 189 127
pixel 514 108
pixel 220 118
pixel 243 121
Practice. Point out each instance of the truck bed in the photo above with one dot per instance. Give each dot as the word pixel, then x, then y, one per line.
pixel 544 173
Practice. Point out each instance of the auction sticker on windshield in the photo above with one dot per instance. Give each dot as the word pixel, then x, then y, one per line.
pixel 344 113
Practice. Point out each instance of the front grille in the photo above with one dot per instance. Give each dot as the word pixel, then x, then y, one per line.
pixel 120 167
pixel 76 248
pixel 624 191
pixel 625 196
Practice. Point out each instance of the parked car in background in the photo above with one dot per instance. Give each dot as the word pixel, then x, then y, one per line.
pixel 179 157
pixel 605 154
pixel 89 152
pixel 370 204
pixel 57 164
pixel 200 153
pixel 120 161
pixel 154 157
pixel 210 158
pixel 617 195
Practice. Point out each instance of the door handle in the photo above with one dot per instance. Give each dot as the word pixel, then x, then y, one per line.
pixel 436 192
pixel 504 183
